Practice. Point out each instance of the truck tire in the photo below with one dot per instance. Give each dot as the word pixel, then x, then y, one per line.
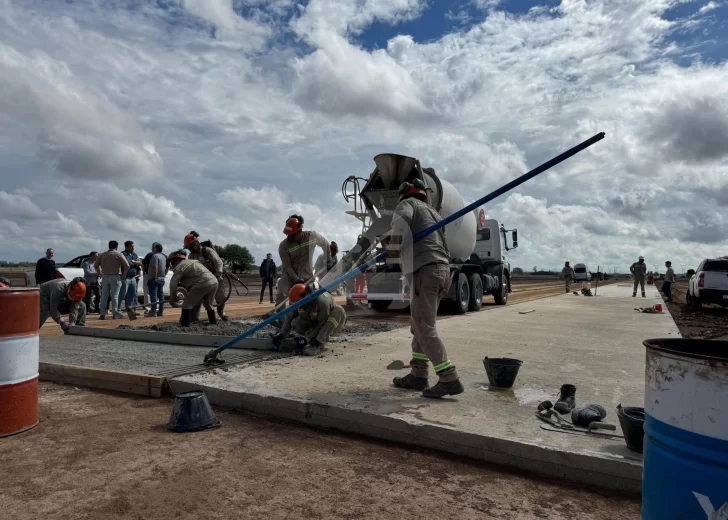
pixel 693 303
pixel 501 295
pixel 462 294
pixel 476 292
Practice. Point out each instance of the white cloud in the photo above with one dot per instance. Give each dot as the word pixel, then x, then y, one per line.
pixel 226 117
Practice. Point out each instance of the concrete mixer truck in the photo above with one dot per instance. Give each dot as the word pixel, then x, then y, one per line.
pixel 478 246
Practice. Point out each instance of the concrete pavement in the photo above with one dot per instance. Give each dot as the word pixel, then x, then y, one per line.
pixel 594 343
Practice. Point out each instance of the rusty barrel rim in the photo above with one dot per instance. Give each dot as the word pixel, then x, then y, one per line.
pixel 703 349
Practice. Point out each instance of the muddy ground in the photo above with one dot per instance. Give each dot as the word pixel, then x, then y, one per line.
pixel 235 327
pixel 710 323
pixel 98 455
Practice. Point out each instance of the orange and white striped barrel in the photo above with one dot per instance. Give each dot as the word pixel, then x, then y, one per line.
pixel 19 310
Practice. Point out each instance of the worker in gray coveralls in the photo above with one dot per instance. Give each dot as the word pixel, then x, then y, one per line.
pixel 639 271
pixel 426 266
pixel 57 292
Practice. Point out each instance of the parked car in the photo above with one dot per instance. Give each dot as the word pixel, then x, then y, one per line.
pixel 72 269
pixel 581 273
pixel 709 284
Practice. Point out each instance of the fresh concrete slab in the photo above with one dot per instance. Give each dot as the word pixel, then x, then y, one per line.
pixel 133 356
pixel 592 342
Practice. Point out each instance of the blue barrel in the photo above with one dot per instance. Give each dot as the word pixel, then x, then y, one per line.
pixel 686 430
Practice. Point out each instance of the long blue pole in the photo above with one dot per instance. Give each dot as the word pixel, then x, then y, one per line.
pixel 212 355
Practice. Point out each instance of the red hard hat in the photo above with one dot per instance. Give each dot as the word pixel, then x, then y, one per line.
pixel 189 240
pixel 177 255
pixel 334 247
pixel 293 226
pixel 297 293
pixel 77 290
pixel 413 190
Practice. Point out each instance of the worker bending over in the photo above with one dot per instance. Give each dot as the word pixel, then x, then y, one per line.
pixel 57 292
pixel 426 265
pixel 567 273
pixel 316 321
pixel 208 257
pixel 198 281
pixel 639 270
pixel 296 252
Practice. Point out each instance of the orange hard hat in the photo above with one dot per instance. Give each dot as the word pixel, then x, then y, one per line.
pixel 177 255
pixel 416 187
pixel 293 226
pixel 190 239
pixel 77 289
pixel 297 293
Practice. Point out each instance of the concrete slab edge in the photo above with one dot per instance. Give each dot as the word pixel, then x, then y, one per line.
pixel 616 475
pixel 98 378
pixel 189 340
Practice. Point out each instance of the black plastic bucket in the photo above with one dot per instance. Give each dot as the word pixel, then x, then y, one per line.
pixel 632 421
pixel 502 372
pixel 192 412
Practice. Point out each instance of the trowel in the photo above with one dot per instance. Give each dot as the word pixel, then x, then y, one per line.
pixel 397 365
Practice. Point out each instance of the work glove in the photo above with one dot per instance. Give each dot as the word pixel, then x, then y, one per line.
pixel 64 326
pixel 277 340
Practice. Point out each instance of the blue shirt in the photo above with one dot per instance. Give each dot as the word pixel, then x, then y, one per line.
pixel 132 267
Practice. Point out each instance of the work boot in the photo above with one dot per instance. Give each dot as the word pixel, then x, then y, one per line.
pixel 211 317
pixel 634 295
pixel 150 314
pixel 102 317
pixel 567 399
pixel 221 312
pixel 411 382
pixel 644 295
pixel 441 389
pixel 195 313
pixel 185 318
pixel 314 348
pixel 588 415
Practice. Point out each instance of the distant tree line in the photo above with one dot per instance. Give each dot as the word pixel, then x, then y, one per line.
pixel 236 258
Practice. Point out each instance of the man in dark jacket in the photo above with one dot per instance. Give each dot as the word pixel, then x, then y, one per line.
pixel 45 268
pixel 267 274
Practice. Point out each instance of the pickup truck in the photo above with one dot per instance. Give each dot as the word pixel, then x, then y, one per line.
pixel 709 284
pixel 72 269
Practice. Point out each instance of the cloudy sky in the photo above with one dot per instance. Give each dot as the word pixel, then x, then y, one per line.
pixel 133 119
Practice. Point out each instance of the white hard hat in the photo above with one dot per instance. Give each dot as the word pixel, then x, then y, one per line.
pixel 641 258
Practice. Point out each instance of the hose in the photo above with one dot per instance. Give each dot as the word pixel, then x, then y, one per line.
pixel 212 356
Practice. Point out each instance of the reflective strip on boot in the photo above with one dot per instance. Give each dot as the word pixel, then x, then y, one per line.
pixel 443 366
pixel 419 356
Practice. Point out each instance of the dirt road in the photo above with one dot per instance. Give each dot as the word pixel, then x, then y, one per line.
pixel 107 456
pixel 711 322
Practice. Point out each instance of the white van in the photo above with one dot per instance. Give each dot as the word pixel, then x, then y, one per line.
pixel 581 273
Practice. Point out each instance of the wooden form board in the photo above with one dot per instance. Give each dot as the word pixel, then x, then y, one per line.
pixel 128 382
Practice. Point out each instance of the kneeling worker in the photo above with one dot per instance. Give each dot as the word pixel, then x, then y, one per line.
pixel 317 320
pixel 426 265
pixel 200 283
pixel 57 292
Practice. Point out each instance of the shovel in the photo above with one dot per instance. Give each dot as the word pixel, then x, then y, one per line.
pixel 131 312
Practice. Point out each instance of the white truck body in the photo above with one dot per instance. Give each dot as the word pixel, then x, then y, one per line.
pixel 478 247
pixel 709 284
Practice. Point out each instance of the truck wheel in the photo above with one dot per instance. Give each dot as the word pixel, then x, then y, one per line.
pixel 501 297
pixel 693 302
pixel 462 294
pixel 476 292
